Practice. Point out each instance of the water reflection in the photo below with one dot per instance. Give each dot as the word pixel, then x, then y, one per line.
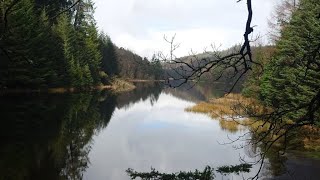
pixel 143 91
pixel 48 136
pixel 100 135
pixel 162 136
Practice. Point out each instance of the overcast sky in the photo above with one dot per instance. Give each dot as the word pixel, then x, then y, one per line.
pixel 140 25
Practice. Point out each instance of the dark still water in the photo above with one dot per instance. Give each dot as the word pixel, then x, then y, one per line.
pixel 100 135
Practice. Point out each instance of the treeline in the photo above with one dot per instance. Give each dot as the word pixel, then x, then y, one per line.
pixel 47 44
pixel 290 82
pixel 225 76
pixel 285 75
pixel 133 66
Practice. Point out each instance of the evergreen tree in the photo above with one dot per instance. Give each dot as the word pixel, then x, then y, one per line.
pixel 292 78
pixel 31 63
pixel 87 43
pixel 55 43
pixel 109 62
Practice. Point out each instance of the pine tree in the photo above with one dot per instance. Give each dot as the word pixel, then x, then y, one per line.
pixel 31 43
pixel 109 62
pixel 292 77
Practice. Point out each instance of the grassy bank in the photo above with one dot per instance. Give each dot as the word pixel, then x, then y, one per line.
pixel 117 85
pixel 230 110
pixel 144 80
pixel 233 113
pixel 120 85
pixel 56 90
pixel 228 105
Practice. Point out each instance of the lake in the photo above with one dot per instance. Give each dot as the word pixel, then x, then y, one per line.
pixel 100 135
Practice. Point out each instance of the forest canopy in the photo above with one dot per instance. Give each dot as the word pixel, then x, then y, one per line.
pixel 47 44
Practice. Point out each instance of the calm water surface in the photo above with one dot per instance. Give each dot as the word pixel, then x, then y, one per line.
pixel 100 135
pixel 161 135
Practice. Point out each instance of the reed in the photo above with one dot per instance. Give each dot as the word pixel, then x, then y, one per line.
pixel 311 138
pixel 231 126
pixel 228 105
pixel 228 108
pixel 119 85
pixel 256 125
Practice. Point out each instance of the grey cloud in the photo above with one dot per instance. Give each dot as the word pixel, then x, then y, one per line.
pixel 136 18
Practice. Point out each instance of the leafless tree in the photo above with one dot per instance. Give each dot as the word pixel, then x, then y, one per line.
pixel 280 17
pixel 238 62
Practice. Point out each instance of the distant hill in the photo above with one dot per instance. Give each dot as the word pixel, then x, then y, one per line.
pixel 133 66
pixel 175 70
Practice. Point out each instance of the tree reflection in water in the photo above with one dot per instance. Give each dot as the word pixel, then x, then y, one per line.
pixel 49 136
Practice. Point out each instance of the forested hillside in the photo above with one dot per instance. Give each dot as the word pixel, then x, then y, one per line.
pixel 133 66
pixel 290 82
pixel 181 67
pixel 47 44
pixel 284 76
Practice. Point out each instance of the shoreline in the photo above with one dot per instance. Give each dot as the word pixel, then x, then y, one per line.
pixel 55 90
pixel 144 80
pixel 117 85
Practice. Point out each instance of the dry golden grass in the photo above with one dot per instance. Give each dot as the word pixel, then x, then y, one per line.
pixel 58 90
pixel 231 126
pixel 256 126
pixel 239 104
pixel 102 87
pixel 311 144
pixel 231 105
pixel 311 138
pixel 308 136
pixel 71 90
pixel 119 85
pixel 236 105
pixel 61 90
pixel 226 109
pixel 202 107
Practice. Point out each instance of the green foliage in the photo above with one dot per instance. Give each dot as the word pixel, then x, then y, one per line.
pixel 261 55
pixel 292 78
pixel 156 68
pixel 133 66
pixel 42 48
pixel 81 53
pixel 206 174
pixel 31 63
pixel 109 62
pixel 234 169
pixel 49 53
